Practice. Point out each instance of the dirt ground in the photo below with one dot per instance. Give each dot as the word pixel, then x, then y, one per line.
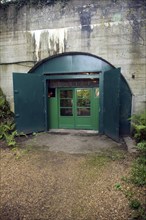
pixel 40 184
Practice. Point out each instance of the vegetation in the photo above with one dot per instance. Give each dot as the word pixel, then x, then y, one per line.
pixel 139 127
pixel 138 171
pixel 137 175
pixel 7 125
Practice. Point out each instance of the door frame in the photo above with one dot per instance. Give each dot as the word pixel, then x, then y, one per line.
pixel 59 76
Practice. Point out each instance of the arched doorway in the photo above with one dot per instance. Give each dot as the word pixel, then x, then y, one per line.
pixel 87 93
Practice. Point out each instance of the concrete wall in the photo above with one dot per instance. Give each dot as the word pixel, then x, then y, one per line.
pixel 112 29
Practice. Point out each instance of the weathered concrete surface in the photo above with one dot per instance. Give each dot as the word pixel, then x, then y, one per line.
pixel 74 142
pixel 113 30
pixel 131 145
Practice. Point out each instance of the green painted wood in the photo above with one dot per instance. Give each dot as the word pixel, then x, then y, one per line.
pixel 111 103
pixel 83 121
pixel 66 121
pixel 125 108
pixel 76 121
pixel 29 103
pixel 53 112
pixel 101 93
pixel 95 108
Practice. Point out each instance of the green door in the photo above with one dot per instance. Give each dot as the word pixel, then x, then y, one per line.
pixel 111 100
pixel 78 108
pixel 52 109
pixel 29 102
pixel 66 108
pixel 83 111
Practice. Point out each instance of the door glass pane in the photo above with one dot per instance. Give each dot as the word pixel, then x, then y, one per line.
pixel 66 94
pixel 83 94
pixel 66 112
pixel 83 103
pixel 83 111
pixel 66 103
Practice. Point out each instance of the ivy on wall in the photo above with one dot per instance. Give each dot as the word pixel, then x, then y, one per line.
pixel 20 3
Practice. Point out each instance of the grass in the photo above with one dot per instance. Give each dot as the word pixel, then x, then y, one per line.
pixel 97 160
pixel 138 173
pixel 20 152
pixel 100 160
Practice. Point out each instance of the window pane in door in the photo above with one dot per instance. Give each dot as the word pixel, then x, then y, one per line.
pixel 66 94
pixel 83 111
pixel 83 93
pixel 66 103
pixel 83 103
pixel 66 112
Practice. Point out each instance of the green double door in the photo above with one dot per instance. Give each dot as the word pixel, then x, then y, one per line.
pixel 77 108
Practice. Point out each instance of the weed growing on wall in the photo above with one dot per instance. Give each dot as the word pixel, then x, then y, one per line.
pixel 38 3
pixel 7 126
pixel 5 113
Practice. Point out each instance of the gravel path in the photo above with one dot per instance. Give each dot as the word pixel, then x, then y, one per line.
pixel 38 184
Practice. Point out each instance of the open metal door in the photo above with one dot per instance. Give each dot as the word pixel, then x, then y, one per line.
pixel 29 102
pixel 111 102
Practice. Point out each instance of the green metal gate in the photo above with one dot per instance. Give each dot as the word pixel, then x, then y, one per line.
pixel 111 101
pixel 29 102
